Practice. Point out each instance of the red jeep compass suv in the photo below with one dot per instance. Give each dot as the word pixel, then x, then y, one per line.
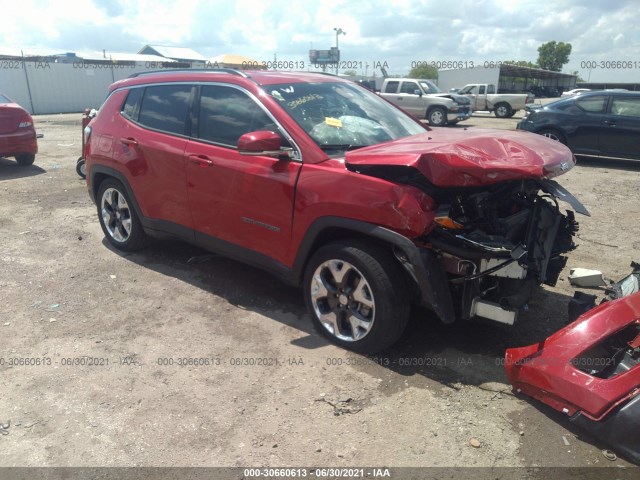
pixel 328 186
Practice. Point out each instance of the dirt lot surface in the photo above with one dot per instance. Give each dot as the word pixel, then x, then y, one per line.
pixel 116 337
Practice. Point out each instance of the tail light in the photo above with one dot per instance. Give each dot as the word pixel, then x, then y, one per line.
pixel 26 121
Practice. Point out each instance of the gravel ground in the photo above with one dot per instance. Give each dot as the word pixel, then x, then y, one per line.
pixel 108 332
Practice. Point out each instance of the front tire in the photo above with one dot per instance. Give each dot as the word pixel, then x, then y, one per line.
pixel 503 110
pixel 437 117
pixel 25 159
pixel 118 218
pixel 357 296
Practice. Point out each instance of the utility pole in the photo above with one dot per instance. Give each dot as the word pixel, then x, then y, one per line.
pixel 338 32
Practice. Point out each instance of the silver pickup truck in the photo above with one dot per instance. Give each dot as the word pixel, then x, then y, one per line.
pixel 424 100
pixel 484 97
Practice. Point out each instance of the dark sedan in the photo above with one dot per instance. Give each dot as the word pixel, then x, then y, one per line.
pixel 598 124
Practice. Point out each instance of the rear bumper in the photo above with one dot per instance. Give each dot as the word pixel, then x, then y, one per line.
pixel 18 143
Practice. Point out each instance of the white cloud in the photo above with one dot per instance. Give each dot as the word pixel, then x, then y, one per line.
pixel 396 31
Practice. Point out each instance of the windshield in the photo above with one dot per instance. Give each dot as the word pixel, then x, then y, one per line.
pixel 340 116
pixel 429 87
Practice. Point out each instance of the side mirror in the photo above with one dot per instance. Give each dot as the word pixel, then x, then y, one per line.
pixel 417 92
pixel 264 143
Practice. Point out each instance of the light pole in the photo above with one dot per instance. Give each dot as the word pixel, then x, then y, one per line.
pixel 338 32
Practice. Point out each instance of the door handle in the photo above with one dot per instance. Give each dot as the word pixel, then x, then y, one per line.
pixel 399 98
pixel 610 122
pixel 129 142
pixel 201 160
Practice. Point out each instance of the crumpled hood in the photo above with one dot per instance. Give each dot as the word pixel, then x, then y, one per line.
pixel 461 99
pixel 463 158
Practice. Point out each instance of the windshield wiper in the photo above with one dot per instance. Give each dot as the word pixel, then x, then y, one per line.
pixel 337 146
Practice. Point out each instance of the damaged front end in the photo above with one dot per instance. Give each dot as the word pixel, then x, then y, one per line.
pixel 499 230
pixel 589 370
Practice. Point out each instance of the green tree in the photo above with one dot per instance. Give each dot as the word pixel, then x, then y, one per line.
pixel 579 79
pixel 426 71
pixel 521 63
pixel 350 73
pixel 553 55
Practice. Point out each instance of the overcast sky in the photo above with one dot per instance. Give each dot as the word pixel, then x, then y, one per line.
pixel 397 32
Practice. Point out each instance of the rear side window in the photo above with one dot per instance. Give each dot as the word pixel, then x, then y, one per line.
pixel 226 113
pixel 626 106
pixel 165 107
pixel 391 87
pixel 131 105
pixel 593 104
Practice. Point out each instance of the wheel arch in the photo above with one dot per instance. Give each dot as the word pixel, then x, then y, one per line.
pixel 562 134
pixel 420 265
pixel 100 173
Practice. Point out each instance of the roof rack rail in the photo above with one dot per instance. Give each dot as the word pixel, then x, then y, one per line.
pixel 231 71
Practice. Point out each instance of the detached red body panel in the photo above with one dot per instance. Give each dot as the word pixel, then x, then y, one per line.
pixel 589 370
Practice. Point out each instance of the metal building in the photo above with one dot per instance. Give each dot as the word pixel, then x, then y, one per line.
pixel 508 78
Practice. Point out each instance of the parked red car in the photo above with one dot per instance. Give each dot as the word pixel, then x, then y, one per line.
pixel 331 188
pixel 17 133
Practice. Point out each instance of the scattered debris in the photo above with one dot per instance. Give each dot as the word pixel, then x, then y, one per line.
pixel 51 320
pixel 566 442
pixel 341 407
pixel 609 455
pixel 583 277
pixel 53 307
pixel 6 324
pixel 113 277
pixel 25 232
pixel 475 443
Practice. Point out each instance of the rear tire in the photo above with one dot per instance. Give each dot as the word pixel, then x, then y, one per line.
pixel 437 117
pixel 553 135
pixel 357 295
pixel 503 110
pixel 25 159
pixel 118 218
pixel 81 168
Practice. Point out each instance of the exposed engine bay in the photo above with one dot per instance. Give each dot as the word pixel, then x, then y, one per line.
pixel 496 245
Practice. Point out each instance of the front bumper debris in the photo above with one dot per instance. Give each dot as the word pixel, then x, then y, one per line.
pixel 589 370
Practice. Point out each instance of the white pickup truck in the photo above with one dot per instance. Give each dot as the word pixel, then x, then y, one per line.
pixel 424 100
pixel 484 97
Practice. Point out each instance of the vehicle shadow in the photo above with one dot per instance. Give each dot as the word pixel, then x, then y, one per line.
pixel 468 353
pixel 10 170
